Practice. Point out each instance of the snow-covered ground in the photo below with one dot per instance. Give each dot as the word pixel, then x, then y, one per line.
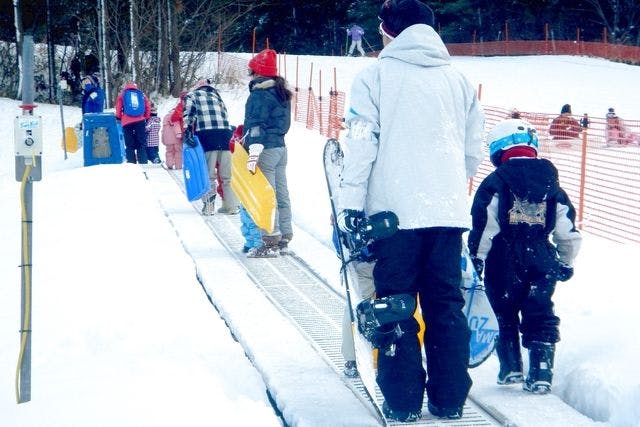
pixel 124 335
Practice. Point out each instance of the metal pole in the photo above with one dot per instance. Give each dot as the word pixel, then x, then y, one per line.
pixel 64 134
pixel 24 383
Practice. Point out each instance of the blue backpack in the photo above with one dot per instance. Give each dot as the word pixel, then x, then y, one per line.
pixel 133 102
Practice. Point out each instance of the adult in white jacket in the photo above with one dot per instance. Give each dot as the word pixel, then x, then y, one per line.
pixel 415 137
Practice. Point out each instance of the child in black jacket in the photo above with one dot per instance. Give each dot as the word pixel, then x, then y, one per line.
pixel 515 211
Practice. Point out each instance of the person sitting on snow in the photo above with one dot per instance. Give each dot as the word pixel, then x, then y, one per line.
pixel 565 126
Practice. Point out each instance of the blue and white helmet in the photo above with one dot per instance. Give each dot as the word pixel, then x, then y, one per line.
pixel 510 133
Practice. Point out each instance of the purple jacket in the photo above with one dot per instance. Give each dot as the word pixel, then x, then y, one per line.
pixel 356 33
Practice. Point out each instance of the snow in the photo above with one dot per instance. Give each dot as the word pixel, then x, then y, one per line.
pixel 123 333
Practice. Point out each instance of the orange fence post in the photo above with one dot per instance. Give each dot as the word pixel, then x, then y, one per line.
pixel 297 90
pixel 253 43
pixel 546 38
pixel 479 99
pixel 583 175
pixel 506 37
pixel 219 48
pixel 310 100
pixel 320 102
pixel 285 65
pixel 333 131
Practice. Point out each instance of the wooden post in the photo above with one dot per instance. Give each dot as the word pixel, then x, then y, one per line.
pixel 320 102
pixel 297 93
pixel 253 42
pixel 583 174
pixel 506 38
pixel 219 47
pixel 479 98
pixel 284 59
pixel 546 38
pixel 310 100
pixel 473 43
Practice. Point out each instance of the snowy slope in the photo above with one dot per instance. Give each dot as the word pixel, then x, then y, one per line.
pixel 123 334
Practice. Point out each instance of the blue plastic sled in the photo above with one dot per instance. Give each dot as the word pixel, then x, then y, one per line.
pixel 195 171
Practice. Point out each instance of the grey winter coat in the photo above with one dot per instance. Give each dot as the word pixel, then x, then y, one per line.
pixel 267 118
pixel 415 135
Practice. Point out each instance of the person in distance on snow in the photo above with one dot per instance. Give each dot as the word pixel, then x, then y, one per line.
pixel 565 126
pixel 356 33
pixel 515 210
pixel 415 137
pixel 267 118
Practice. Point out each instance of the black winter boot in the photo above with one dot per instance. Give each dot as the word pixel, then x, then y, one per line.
pixel 508 350
pixel 540 367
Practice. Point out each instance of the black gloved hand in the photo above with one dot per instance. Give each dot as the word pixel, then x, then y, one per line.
pixel 478 265
pixel 188 138
pixel 348 220
pixel 564 272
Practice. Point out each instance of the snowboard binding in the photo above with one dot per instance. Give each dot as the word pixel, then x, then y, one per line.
pixel 375 227
pixel 378 319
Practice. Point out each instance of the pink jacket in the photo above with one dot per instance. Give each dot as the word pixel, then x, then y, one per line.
pixel 171 131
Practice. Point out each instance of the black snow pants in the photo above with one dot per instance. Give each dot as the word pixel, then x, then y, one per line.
pixel 135 142
pixel 425 262
pixel 520 281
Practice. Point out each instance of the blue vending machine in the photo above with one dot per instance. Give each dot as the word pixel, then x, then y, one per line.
pixel 102 139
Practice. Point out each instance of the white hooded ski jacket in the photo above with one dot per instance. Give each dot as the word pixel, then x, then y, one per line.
pixel 415 135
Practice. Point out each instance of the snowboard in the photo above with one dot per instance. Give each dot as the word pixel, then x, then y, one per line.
pixel 480 316
pixel 253 190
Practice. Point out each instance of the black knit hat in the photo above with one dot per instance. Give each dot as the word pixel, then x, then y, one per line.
pixel 396 15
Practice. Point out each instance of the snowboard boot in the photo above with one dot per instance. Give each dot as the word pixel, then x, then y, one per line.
pixel 350 369
pixel 508 350
pixel 208 205
pixel 540 367
pixel 446 413
pixel 402 416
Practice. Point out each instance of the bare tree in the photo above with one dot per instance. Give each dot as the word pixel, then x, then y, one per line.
pixel 18 24
pixel 620 17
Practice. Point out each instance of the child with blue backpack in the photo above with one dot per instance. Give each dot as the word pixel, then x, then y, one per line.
pixel 133 110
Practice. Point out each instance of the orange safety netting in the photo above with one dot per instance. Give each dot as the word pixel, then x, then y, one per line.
pixel 617 52
pixel 600 170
